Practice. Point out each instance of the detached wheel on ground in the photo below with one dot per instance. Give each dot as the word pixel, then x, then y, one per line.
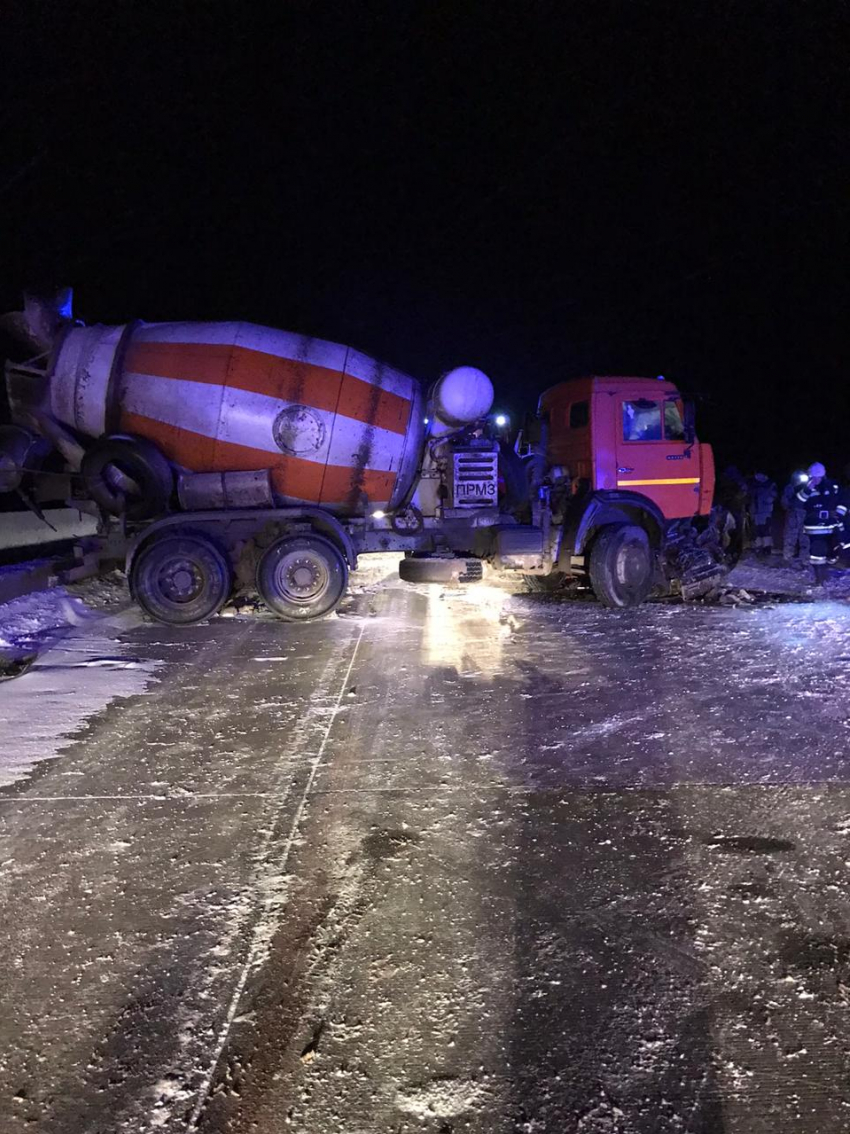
pixel 438 569
pixel 302 577
pixel 621 567
pixel 180 579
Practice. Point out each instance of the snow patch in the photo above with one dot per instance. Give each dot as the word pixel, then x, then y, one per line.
pixel 79 666
pixel 441 1098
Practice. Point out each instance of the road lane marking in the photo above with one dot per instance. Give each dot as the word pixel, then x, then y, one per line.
pixel 173 797
pixel 233 1008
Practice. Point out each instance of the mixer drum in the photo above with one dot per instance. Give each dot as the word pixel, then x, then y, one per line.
pixel 334 426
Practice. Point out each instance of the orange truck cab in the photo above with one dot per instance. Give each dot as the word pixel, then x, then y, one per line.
pixel 629 435
pixel 627 480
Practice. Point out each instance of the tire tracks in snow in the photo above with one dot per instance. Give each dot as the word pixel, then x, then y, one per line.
pixel 267 863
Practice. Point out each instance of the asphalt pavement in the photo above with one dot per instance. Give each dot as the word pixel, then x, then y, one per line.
pixel 451 861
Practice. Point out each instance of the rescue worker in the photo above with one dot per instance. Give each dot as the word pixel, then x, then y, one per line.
pixel 793 535
pixel 843 533
pixel 824 516
pixel 761 498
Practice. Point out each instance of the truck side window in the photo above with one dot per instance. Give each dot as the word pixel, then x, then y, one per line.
pixel 674 426
pixel 579 414
pixel 641 421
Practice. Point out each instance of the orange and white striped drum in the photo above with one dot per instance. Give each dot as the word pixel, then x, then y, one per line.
pixel 333 426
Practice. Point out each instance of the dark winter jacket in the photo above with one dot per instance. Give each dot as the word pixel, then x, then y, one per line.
pixel 843 510
pixel 825 510
pixel 789 497
pixel 761 496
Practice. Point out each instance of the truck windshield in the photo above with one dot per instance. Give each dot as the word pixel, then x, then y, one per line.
pixel 674 426
pixel 643 421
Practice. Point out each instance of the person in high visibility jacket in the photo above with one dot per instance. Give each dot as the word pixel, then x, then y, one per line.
pixel 824 517
pixel 843 533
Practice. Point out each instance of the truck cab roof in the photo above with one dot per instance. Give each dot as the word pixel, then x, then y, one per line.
pixel 586 383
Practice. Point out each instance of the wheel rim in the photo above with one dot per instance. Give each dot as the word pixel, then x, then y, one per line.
pixel 179 580
pixel 630 569
pixel 301 577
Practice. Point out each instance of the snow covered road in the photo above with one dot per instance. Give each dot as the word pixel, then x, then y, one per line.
pixel 455 860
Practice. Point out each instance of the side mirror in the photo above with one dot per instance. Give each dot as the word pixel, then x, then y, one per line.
pixel 689 421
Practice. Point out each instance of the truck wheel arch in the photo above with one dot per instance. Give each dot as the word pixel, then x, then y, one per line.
pixel 605 508
pixel 252 521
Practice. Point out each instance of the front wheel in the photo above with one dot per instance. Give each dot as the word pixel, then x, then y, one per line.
pixel 621 565
pixel 180 579
pixel 302 577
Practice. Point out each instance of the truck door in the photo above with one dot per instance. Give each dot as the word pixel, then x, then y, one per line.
pixel 654 457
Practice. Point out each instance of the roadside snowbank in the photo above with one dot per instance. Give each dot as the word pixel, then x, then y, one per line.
pixel 70 639
pixel 30 623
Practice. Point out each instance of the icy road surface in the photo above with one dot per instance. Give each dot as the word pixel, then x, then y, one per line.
pixel 456 861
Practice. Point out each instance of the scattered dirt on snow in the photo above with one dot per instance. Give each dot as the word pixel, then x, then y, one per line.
pixel 773 576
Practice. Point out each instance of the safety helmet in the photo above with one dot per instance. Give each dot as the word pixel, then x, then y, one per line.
pixel 817 469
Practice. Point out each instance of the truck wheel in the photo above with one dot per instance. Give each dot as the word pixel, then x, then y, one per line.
pixel 621 569
pixel 127 476
pixel 302 577
pixel 180 579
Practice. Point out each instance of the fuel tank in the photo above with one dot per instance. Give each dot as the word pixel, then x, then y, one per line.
pixel 333 426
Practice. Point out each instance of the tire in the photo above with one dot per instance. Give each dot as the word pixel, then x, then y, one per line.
pixel 302 577
pixel 621 565
pixel 138 459
pixel 440 569
pixel 180 579
pixel 473 572
pixel 429 570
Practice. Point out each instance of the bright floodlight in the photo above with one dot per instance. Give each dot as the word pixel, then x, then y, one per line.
pixel 379 515
pixel 501 419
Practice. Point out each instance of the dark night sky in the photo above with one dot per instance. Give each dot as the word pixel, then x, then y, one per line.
pixel 538 189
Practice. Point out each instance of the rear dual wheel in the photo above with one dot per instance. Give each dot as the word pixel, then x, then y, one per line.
pixel 302 577
pixel 180 579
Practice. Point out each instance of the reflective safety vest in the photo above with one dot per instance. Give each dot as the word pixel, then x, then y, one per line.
pixel 824 511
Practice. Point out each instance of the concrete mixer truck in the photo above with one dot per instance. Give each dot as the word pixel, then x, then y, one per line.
pixel 232 453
